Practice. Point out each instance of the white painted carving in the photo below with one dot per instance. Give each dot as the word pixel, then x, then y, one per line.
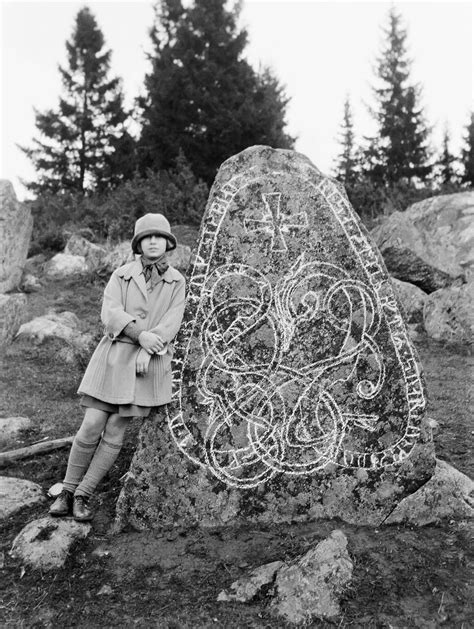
pixel 266 411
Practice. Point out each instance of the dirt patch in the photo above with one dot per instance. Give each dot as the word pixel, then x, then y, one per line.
pixel 403 576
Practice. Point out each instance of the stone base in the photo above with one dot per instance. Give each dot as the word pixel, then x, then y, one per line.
pixel 163 489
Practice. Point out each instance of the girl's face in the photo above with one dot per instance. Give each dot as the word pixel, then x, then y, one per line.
pixel 153 246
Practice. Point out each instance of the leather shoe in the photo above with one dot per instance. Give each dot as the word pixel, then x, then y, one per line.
pixel 80 509
pixel 62 505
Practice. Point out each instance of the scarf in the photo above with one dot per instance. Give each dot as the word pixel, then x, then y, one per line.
pixel 153 270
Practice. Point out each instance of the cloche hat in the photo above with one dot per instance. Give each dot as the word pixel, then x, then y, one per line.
pixel 153 224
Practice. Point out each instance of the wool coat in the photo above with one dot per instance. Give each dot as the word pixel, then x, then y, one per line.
pixel 111 373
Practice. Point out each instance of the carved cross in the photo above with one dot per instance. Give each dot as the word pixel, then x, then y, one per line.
pixel 275 223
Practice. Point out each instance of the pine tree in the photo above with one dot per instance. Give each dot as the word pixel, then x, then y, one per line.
pixel 346 169
pixel 83 142
pixel 399 151
pixel 446 161
pixel 467 154
pixel 202 96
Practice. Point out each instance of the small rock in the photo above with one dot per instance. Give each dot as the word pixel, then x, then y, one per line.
pixel 246 588
pixel 77 245
pixel 16 493
pixel 10 428
pixel 45 543
pixel 105 589
pixel 100 552
pixel 30 283
pixel 449 493
pixel 64 265
pixel 55 490
pixel 311 586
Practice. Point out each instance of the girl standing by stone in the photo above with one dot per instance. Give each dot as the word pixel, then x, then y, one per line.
pixel 130 370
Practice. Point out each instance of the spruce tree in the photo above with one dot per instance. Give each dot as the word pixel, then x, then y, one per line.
pixel 346 168
pixel 399 150
pixel 467 154
pixel 445 164
pixel 202 96
pixel 83 143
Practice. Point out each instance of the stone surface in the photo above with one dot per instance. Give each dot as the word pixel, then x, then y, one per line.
pixel 17 493
pixel 12 315
pixel 298 392
pixel 311 586
pixel 63 265
pixel 10 428
pixel 16 224
pixel 439 231
pixel 245 589
pixel 412 299
pixel 45 543
pixel 79 246
pixel 448 494
pixel 448 314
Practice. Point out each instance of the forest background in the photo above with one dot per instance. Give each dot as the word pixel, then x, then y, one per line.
pixel 201 103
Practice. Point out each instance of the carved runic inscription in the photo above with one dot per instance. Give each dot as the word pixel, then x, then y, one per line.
pixel 275 223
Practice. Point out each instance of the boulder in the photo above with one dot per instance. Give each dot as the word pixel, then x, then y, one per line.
pixel 61 325
pixel 245 589
pixel 44 544
pixel 116 256
pixel 297 390
pixel 448 494
pixel 12 315
pixel 17 493
pixel 311 587
pixel 10 428
pixel 412 299
pixel 79 246
pixel 16 224
pixel 448 314
pixel 64 265
pixel 431 240
pixel 180 257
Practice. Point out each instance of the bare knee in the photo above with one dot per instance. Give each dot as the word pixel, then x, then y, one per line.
pixel 115 428
pixel 92 425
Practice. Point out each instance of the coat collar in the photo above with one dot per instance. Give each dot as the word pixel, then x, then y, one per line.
pixel 135 269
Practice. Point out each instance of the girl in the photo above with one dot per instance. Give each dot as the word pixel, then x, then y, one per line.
pixel 130 370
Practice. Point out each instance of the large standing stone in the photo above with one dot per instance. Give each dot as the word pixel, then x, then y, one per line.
pixel 12 315
pixel 16 224
pixel 436 233
pixel 298 393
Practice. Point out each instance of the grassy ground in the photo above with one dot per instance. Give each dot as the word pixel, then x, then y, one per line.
pixel 403 576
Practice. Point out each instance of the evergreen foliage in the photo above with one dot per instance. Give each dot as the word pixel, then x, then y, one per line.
pixel 83 143
pixel 446 162
pixel 347 165
pixel 467 154
pixel 202 96
pixel 399 150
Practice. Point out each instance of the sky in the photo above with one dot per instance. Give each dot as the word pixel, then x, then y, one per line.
pixel 320 51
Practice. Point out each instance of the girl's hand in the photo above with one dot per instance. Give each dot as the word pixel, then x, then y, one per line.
pixel 150 342
pixel 142 362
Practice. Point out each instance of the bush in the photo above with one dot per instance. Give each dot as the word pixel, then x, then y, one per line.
pixel 111 215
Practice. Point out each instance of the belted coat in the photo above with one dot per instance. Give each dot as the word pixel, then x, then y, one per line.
pixel 111 373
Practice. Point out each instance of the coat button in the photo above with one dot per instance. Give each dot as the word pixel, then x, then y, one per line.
pixel 111 336
pixel 142 315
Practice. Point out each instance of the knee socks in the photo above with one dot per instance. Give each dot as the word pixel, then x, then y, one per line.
pixel 104 457
pixel 79 459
